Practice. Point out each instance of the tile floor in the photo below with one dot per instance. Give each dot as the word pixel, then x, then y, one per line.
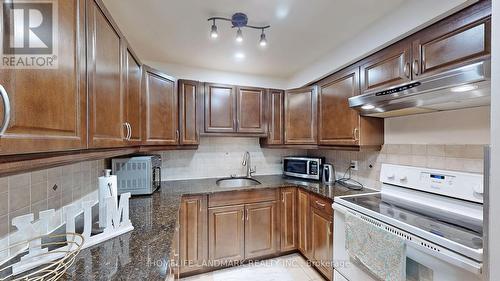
pixel 287 268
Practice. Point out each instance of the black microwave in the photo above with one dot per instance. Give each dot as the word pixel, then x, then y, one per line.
pixel 303 167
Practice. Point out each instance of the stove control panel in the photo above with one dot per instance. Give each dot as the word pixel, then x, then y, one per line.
pixel 466 186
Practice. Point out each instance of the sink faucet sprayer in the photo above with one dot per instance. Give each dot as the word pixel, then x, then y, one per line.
pixel 247 163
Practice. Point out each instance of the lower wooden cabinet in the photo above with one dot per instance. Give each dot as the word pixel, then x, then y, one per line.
pixel 315 231
pixel 261 229
pixel 303 218
pixel 322 241
pixel 288 219
pixel 193 247
pixel 243 231
pixel 226 233
pixel 242 225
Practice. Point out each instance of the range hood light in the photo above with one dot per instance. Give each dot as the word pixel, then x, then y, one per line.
pixel 464 88
pixel 368 107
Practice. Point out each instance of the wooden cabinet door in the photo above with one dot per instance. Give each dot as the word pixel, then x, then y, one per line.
pixel 389 67
pixel 303 218
pixel 288 219
pixel 261 229
pixel 106 128
pixel 250 110
pixel 275 117
pixel 338 124
pixel 322 242
pixel 459 39
pixel 132 96
pixel 226 234
pixel 188 92
pixel 301 116
pixel 220 108
pixel 160 113
pixel 48 106
pixel 193 233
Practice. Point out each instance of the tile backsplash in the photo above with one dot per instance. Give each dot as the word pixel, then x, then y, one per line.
pixel 45 189
pixel 222 157
pixel 465 158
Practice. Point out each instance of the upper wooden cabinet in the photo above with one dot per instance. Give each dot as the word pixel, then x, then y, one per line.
pixel 160 109
pixel 456 40
pixel 389 67
pixel 188 95
pixel 220 108
pixel 234 110
pixel 48 106
pixel 250 110
pixel 338 124
pixel 132 96
pixel 459 39
pixel 301 115
pixel 106 125
pixel 275 112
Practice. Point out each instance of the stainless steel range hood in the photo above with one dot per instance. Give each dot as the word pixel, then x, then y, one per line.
pixel 463 87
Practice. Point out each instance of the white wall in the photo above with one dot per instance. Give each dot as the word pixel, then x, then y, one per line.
pixel 224 77
pixel 403 21
pixel 493 228
pixel 463 126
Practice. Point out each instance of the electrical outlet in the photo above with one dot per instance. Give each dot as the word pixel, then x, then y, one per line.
pixel 354 165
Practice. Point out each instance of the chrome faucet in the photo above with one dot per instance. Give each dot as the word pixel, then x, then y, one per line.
pixel 247 163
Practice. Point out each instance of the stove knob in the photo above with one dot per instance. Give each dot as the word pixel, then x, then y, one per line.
pixel 391 176
pixel 403 178
pixel 478 189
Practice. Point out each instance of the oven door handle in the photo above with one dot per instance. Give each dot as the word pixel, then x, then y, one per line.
pixel 307 167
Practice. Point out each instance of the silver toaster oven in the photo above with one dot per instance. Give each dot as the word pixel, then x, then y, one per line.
pixel 138 175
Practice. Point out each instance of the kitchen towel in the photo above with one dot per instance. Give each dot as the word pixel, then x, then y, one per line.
pixel 381 252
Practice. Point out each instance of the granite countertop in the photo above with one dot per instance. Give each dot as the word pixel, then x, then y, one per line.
pixel 144 253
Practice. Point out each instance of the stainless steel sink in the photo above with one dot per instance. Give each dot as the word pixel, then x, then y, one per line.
pixel 237 182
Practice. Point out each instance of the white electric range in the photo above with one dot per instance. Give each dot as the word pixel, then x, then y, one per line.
pixel 438 213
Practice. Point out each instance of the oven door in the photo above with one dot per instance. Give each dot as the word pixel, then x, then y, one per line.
pixel 421 265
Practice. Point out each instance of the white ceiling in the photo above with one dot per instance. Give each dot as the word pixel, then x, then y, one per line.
pixel 301 32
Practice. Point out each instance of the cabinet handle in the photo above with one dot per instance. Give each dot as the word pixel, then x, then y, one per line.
pixel 283 198
pixel 129 130
pixel 320 204
pixel 243 216
pixel 177 135
pixel 126 127
pixel 355 134
pixel 406 70
pixel 415 67
pixel 6 110
pixel 247 214
pixel 329 229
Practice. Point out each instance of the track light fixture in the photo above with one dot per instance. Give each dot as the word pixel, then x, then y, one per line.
pixel 239 21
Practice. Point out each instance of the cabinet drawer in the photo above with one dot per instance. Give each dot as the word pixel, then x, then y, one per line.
pixel 321 204
pixel 242 197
